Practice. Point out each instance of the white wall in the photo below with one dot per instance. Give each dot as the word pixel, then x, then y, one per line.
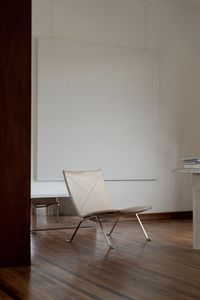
pixel 172 29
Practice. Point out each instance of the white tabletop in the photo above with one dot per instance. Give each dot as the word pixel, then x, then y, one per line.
pixel 49 196
pixel 48 189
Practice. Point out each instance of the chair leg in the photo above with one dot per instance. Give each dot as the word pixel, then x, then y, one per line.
pixel 113 227
pixel 142 228
pixel 105 235
pixel 73 235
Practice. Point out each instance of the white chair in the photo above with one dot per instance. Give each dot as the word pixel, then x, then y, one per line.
pixel 92 202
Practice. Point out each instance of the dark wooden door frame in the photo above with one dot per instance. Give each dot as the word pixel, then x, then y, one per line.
pixel 15 132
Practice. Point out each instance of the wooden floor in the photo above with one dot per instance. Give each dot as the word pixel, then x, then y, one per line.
pixel 166 268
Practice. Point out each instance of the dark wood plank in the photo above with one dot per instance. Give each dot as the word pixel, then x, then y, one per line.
pixel 165 269
pixel 15 124
pixel 4 296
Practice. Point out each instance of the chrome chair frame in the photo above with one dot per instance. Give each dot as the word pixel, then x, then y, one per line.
pixel 103 212
pixel 106 235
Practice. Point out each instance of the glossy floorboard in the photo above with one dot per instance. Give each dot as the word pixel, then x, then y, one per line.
pixel 165 269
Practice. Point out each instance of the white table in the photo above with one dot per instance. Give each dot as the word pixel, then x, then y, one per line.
pixel 55 200
pixel 196 203
pixel 43 200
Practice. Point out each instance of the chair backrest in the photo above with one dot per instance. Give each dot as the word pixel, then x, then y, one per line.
pixel 87 191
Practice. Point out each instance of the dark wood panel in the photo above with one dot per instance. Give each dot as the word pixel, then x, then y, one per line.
pixel 167 268
pixel 15 124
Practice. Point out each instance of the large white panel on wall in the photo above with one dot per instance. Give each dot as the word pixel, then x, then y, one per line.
pixel 97 108
pixel 119 22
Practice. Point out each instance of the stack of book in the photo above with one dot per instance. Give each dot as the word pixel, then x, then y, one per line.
pixel 191 163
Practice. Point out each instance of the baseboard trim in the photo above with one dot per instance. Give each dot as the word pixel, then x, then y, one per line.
pixel 165 215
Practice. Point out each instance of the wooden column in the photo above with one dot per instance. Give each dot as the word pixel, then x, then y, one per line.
pixel 15 132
